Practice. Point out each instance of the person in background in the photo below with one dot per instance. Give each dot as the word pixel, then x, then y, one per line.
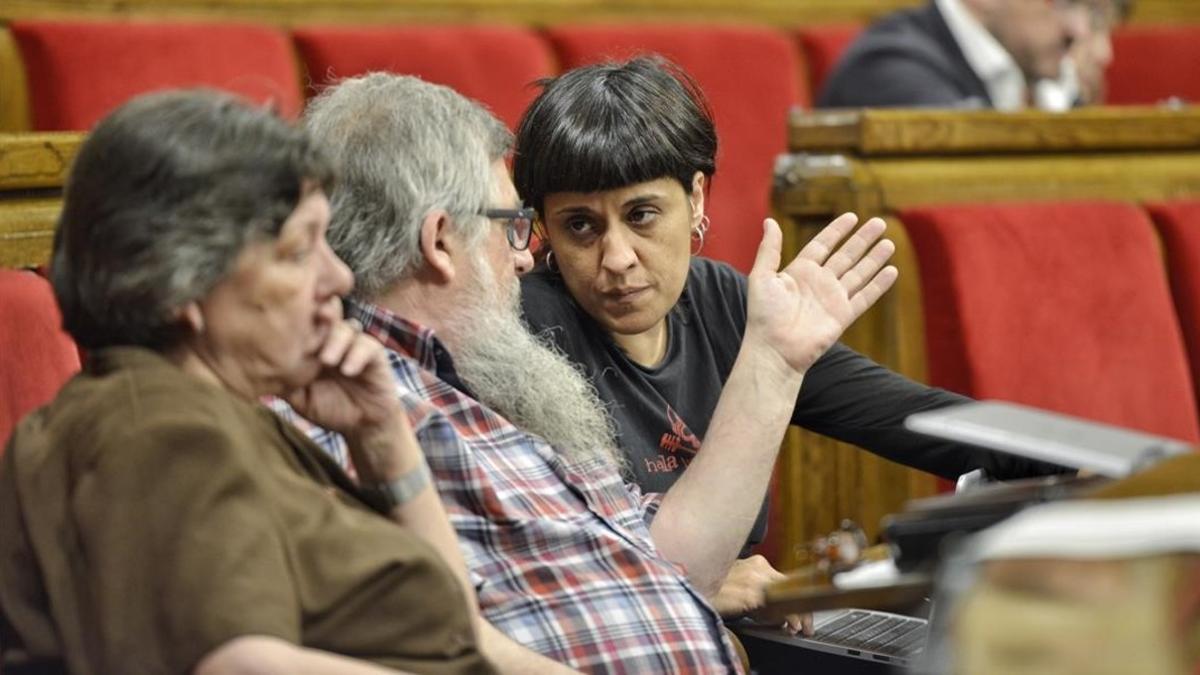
pixel 617 158
pixel 571 564
pixel 155 517
pixel 964 54
pixel 1082 79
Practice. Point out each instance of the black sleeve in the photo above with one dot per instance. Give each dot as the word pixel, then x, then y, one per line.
pixel 853 399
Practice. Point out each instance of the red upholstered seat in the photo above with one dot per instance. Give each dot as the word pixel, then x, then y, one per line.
pixel 496 65
pixel 1179 226
pixel 36 356
pixel 1154 63
pixel 823 46
pixel 752 77
pixel 79 71
pixel 1059 305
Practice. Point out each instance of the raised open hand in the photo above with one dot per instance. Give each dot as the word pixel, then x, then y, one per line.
pixel 800 311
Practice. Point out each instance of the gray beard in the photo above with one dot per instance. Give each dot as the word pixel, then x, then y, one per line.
pixel 523 377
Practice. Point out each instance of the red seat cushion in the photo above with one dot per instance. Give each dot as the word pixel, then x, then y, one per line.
pixel 823 46
pixel 1063 306
pixel 751 77
pixel 1179 226
pixel 36 356
pixel 1154 63
pixel 496 65
pixel 79 71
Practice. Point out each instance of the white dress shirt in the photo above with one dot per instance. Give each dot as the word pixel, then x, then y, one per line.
pixel 1058 95
pixel 989 59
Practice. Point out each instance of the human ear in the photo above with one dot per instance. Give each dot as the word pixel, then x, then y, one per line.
pixel 192 316
pixel 437 244
pixel 696 196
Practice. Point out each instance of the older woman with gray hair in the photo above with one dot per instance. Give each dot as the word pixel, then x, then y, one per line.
pixel 155 517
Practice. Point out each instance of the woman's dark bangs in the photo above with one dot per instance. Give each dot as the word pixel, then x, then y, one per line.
pixel 602 159
pixel 610 126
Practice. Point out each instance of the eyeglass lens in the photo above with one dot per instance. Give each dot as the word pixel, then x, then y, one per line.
pixel 519 228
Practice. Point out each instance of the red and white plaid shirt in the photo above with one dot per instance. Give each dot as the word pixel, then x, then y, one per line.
pixel 560 552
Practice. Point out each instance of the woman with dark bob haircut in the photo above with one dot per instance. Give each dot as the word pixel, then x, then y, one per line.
pixel 155 517
pixel 617 159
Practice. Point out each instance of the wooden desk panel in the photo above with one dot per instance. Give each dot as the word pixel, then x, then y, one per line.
pixel 33 168
pixel 897 132
pixel 27 231
pixel 883 186
pixel 30 161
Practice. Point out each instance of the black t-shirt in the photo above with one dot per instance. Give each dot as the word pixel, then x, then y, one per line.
pixel 662 413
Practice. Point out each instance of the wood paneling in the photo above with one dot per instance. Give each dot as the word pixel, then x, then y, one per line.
pixel 33 168
pixel 27 230
pixel 14 99
pixel 890 132
pixel 36 160
pixel 896 183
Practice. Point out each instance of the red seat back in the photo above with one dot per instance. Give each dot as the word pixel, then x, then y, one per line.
pixel 1154 63
pixel 823 46
pixel 496 65
pixel 1179 226
pixel 1063 306
pixel 751 77
pixel 36 356
pixel 79 71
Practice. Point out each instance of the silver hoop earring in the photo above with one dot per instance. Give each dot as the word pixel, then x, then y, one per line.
pixel 550 265
pixel 698 233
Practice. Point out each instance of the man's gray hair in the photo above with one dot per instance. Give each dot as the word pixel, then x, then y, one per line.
pixel 405 148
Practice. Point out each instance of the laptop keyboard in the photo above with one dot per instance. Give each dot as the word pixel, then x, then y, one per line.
pixel 889 634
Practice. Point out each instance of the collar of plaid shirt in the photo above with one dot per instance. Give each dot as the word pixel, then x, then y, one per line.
pixel 560 553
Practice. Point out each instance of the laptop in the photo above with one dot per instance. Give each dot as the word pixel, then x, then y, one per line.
pixel 922 531
pixel 1060 439
pixel 844 641
pixel 857 640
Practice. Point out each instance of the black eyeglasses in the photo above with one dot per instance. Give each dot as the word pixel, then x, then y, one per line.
pixel 518 225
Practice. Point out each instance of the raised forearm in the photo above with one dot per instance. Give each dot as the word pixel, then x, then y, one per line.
pixel 793 316
pixel 706 516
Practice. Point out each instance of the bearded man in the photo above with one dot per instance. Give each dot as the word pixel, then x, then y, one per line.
pixel 573 567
